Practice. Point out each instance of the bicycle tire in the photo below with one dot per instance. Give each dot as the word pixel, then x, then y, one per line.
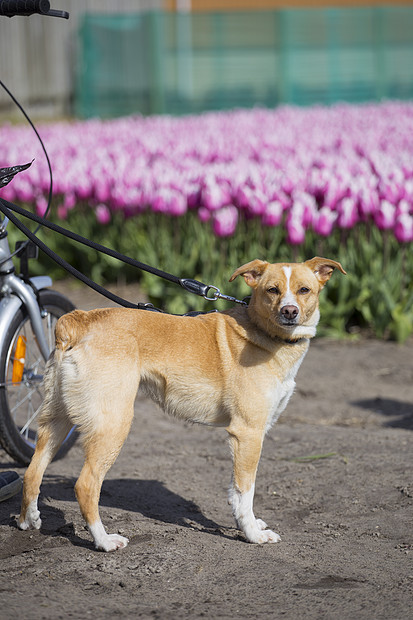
pixel 20 400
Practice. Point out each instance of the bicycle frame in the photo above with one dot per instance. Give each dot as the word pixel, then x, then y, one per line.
pixel 14 292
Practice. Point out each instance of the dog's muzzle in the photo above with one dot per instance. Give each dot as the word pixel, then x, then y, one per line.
pixel 289 315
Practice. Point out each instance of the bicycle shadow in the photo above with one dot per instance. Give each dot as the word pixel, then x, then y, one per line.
pixel 149 498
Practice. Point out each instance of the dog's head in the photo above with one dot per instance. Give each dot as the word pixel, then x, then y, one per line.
pixel 284 300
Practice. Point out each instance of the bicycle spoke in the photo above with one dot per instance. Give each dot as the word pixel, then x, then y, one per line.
pixel 24 399
pixel 30 420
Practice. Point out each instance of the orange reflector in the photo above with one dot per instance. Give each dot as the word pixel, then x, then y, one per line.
pixel 18 363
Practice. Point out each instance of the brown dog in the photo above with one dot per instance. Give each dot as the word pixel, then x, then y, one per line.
pixel 234 369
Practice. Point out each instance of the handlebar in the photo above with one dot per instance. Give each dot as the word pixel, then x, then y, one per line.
pixel 10 8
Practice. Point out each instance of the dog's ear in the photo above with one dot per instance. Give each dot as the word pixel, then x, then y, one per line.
pixel 323 268
pixel 251 272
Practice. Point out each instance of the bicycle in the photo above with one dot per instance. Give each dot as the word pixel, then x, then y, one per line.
pixel 29 310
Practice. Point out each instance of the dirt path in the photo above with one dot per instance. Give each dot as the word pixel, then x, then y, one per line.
pixel 345 516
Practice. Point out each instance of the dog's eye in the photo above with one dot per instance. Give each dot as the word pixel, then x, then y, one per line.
pixel 303 290
pixel 274 290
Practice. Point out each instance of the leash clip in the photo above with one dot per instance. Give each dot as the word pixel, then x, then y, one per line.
pixel 218 295
pixel 215 295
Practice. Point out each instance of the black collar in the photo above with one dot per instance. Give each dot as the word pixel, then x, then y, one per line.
pixel 290 340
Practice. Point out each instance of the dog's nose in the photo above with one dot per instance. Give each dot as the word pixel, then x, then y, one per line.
pixel 289 312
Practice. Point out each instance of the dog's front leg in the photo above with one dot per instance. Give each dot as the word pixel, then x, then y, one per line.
pixel 246 444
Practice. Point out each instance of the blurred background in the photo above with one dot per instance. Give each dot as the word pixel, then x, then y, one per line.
pixel 184 56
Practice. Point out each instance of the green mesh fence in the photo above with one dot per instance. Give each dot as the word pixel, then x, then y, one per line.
pixel 181 63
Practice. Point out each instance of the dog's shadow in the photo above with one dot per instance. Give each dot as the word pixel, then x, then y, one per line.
pixel 399 413
pixel 149 498
pixel 152 499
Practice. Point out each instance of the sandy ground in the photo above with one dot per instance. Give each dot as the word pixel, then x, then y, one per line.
pixel 335 480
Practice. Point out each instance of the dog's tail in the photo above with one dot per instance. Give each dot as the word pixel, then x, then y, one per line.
pixel 70 328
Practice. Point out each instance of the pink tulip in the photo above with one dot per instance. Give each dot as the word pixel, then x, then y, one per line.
pixel 304 207
pixel 7 193
pixel 281 197
pixel 204 214
pixel 324 221
pixel 408 189
pixel 243 195
pixel 333 194
pixel 23 191
pixel 295 231
pixel 178 204
pixel 102 192
pixel 273 213
pixel 83 189
pixel 347 213
pixel 160 202
pixel 369 202
pixel 391 191
pixel 287 185
pixel 403 207
pixel 168 200
pixel 194 195
pixel 214 196
pixel 61 212
pixel 385 215
pixel 224 221
pixel 69 201
pixel 102 214
pixel 257 203
pixel 403 229
pixel 41 205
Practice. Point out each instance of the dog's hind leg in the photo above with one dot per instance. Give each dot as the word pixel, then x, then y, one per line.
pixel 51 433
pixel 246 445
pixel 102 446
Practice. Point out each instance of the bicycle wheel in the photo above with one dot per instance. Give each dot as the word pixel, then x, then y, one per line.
pixel 21 379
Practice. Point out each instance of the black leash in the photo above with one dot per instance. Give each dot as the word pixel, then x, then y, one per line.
pixel 193 286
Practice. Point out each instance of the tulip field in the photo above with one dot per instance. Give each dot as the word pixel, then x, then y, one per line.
pixel 199 195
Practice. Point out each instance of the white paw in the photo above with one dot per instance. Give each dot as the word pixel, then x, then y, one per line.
pixel 32 520
pixel 268 536
pixel 261 524
pixel 262 536
pixel 23 525
pixel 112 542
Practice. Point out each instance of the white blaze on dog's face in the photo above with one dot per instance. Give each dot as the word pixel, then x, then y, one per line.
pixel 285 295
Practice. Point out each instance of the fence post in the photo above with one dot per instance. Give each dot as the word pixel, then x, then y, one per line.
pixel 285 90
pixel 156 27
pixel 380 55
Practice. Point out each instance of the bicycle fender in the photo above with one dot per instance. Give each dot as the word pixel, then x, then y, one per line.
pixel 9 305
pixel 40 282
